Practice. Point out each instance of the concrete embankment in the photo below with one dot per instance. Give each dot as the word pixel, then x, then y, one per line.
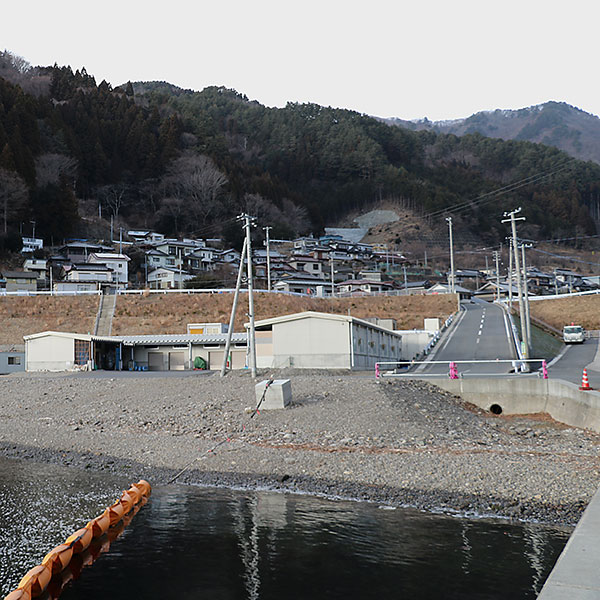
pixel 576 575
pixel 562 400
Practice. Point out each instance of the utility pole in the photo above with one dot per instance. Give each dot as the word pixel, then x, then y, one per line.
pixel 497 259
pixel 512 220
pixel 526 292
pixel 452 285
pixel 248 223
pixel 332 278
pixel 510 274
pixel 233 309
pixel 180 264
pixel 267 229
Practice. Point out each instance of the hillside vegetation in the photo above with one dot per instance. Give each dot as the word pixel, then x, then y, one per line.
pixel 75 154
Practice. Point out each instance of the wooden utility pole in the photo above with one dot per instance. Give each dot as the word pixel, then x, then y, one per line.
pixel 233 310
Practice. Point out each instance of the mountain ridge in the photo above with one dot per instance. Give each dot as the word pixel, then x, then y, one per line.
pixel 552 123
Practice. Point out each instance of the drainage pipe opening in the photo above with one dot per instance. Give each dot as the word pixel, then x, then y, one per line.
pixel 496 409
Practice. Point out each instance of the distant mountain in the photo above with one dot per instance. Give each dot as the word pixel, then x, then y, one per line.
pixel 557 124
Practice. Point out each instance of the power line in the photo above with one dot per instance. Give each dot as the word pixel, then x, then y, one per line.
pixel 489 196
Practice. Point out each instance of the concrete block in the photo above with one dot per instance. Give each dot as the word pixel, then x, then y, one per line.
pixel 279 394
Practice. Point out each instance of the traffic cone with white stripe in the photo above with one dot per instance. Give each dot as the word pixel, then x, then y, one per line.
pixel 585 385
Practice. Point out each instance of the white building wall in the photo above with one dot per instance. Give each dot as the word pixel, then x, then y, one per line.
pixel 49 353
pixel 311 343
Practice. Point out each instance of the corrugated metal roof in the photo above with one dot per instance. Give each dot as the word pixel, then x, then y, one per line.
pixel 166 339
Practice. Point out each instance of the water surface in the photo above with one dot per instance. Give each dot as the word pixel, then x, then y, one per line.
pixel 208 543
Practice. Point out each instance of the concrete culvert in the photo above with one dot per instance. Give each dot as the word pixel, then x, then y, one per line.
pixel 496 409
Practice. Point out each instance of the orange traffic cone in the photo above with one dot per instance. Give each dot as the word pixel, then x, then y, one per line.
pixel 584 382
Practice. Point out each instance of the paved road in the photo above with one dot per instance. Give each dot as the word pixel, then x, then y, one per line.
pixel 574 359
pixel 480 333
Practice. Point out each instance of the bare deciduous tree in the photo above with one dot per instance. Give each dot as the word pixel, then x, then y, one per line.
pixel 113 196
pixel 49 167
pixel 195 179
pixel 13 195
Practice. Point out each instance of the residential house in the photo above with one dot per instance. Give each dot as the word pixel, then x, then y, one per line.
pixel 80 251
pixel 37 266
pixel 308 264
pixel 117 263
pixel 20 281
pixel 356 287
pixel 445 288
pixel 98 275
pixel 302 283
pixel 31 244
pixel 165 278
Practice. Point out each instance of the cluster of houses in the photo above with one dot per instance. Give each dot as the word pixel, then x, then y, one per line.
pixel 320 266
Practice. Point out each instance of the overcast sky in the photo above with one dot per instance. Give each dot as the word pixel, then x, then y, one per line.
pixel 424 58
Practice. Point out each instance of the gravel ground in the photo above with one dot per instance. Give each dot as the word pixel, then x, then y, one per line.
pixel 396 442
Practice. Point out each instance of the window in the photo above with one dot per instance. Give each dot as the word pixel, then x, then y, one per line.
pixel 14 360
pixel 170 261
pixel 315 266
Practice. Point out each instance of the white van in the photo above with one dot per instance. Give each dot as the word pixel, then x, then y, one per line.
pixel 573 334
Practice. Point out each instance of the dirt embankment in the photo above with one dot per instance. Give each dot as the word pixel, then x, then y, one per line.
pixel 24 315
pixel 582 310
pixel 170 313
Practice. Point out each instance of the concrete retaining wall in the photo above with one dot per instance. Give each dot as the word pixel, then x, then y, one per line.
pixel 562 400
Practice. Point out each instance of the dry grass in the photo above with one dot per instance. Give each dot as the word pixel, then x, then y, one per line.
pixel 24 315
pixel 171 313
pixel 581 310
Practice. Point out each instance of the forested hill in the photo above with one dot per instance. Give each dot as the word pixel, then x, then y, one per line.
pixel 74 153
pixel 558 124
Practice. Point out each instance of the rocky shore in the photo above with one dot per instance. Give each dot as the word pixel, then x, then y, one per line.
pixel 398 442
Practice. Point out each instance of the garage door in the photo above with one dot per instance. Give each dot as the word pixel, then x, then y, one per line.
pixel 238 357
pixel 215 360
pixel 155 361
pixel 176 361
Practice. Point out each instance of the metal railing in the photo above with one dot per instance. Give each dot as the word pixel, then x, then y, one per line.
pixel 453 373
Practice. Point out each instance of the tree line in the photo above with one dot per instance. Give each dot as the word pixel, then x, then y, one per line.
pixel 74 153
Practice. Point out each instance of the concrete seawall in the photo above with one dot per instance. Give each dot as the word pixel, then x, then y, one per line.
pixel 576 575
pixel 562 400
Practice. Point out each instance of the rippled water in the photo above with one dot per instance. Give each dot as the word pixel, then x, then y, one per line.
pixel 209 543
pixel 40 506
